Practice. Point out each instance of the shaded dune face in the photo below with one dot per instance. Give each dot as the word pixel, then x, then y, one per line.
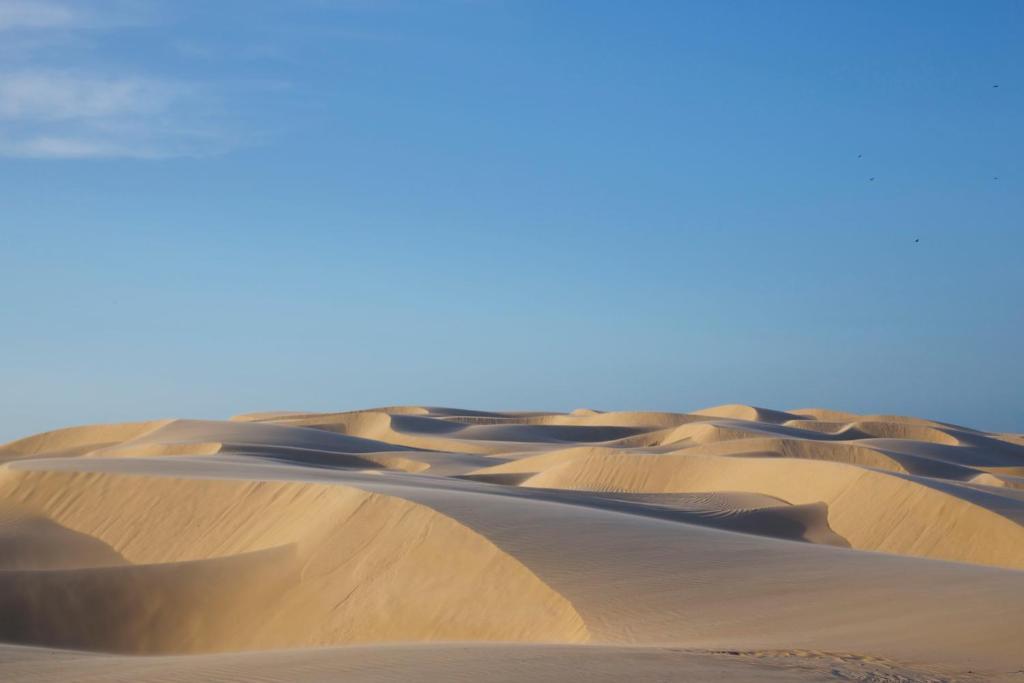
pixel 207 565
pixel 729 527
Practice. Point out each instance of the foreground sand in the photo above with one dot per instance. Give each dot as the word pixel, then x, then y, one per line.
pixel 733 544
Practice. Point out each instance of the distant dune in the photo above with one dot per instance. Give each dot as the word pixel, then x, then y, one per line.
pixel 734 543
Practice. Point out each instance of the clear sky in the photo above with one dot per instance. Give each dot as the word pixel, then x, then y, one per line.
pixel 216 207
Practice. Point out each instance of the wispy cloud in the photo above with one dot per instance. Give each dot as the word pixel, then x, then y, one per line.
pixel 63 148
pixel 56 15
pixel 79 112
pixel 53 95
pixel 36 14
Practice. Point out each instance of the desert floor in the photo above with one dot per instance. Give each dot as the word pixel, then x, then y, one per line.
pixel 730 544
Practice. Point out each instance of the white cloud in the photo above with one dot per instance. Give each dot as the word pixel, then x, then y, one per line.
pixel 48 95
pixel 35 14
pixel 81 112
pixel 60 148
pixel 67 15
pixel 78 114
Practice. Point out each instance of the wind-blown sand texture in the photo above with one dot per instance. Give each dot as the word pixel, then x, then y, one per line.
pixel 730 544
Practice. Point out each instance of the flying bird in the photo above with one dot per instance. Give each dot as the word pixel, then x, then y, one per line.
pixel 916 240
pixel 872 178
pixel 859 156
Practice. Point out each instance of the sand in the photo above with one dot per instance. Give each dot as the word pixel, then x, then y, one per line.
pixel 733 543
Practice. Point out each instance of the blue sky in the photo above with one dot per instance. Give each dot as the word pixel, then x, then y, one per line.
pixel 209 208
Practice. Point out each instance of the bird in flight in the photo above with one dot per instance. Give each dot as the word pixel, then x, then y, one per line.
pixel 872 178
pixel 995 85
pixel 916 240
pixel 859 156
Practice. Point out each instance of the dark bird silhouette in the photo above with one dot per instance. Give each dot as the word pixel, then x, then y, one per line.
pixel 995 85
pixel 872 178
pixel 995 177
pixel 859 156
pixel 917 240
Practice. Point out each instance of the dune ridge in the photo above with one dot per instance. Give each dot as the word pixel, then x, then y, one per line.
pixel 733 542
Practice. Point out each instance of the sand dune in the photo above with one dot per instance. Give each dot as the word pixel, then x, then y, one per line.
pixel 731 543
pixel 293 542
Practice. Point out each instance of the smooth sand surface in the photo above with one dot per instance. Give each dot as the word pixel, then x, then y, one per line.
pixel 734 543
